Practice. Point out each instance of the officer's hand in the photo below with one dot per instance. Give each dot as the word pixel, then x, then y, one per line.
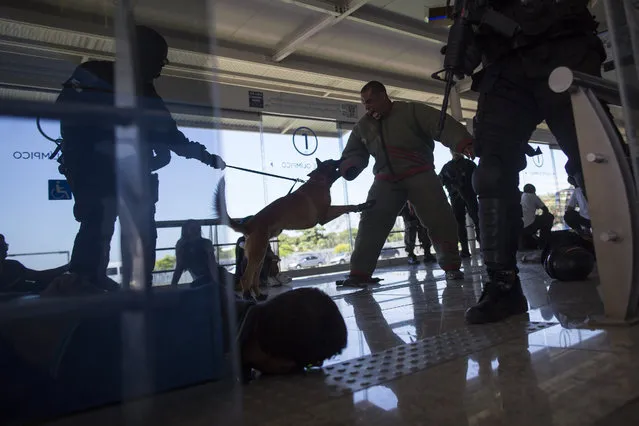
pixel 215 161
pixel 465 147
pixel 469 152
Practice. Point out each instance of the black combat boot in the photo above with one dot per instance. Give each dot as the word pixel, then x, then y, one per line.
pixel 502 297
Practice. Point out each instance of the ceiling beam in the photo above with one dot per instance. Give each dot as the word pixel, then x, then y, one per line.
pixel 65 57
pixel 70 31
pixel 402 24
pixel 381 18
pixel 295 40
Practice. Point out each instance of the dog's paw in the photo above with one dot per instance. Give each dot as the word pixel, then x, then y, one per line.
pixel 365 206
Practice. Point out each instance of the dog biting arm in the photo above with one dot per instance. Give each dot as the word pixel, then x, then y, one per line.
pixel 354 157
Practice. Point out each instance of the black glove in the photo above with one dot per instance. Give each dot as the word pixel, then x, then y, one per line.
pixel 214 161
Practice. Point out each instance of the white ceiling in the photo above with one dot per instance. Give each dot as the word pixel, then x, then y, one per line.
pixel 296 46
pixel 251 31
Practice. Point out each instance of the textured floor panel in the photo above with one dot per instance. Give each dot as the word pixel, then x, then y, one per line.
pixel 272 398
pixel 371 370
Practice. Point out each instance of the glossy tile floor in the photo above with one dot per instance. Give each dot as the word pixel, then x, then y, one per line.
pixel 428 368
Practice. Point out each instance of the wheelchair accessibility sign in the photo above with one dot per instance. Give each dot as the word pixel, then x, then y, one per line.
pixel 59 189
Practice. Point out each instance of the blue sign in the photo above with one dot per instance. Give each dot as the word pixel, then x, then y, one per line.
pixel 305 141
pixel 59 189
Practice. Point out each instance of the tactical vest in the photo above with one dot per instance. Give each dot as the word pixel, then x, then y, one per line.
pixel 539 21
pixel 548 18
pixel 90 139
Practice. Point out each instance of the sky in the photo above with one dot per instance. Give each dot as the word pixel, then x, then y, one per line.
pixel 32 223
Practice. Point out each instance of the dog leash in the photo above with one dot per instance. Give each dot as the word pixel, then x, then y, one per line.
pixel 295 180
pixel 58 143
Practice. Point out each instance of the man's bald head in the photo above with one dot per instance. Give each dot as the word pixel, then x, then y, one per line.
pixel 374 86
pixel 376 100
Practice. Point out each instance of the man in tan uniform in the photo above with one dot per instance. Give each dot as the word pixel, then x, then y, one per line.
pixel 399 135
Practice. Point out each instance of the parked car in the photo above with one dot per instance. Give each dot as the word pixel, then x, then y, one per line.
pixel 340 259
pixel 389 253
pixel 309 261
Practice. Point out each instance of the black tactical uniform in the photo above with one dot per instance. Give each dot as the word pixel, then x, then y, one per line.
pixel 89 155
pixel 457 175
pixel 514 98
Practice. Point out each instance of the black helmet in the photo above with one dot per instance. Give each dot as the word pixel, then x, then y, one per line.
pixel 152 51
pixel 150 41
pixel 568 256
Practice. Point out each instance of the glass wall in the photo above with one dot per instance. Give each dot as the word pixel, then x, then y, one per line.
pixel 77 341
pixel 268 144
pixel 546 171
pixel 70 343
pixel 39 231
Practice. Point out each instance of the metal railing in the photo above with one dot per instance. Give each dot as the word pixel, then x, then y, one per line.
pixel 43 253
pixel 611 188
pixel 214 223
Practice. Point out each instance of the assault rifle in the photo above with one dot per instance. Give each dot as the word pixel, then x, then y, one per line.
pixel 467 15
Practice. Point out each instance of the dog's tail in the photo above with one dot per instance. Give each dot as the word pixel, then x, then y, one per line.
pixel 219 204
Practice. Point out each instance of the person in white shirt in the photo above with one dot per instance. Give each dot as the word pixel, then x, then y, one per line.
pixel 579 220
pixel 532 222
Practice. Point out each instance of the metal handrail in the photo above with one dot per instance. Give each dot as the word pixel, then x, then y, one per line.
pixel 563 79
pixel 42 254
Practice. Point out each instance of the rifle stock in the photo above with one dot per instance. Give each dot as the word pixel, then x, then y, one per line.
pixel 455 51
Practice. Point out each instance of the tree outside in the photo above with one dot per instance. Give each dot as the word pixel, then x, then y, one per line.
pixel 342 248
pixel 166 263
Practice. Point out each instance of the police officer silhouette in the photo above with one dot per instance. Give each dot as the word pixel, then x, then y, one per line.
pixel 89 155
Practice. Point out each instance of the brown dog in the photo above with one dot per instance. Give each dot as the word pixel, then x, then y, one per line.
pixel 302 209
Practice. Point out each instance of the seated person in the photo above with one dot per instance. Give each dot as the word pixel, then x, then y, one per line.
pixel 577 220
pixel 16 278
pixel 195 254
pixel 295 330
pixel 533 223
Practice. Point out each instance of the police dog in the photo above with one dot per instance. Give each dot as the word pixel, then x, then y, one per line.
pixel 304 208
